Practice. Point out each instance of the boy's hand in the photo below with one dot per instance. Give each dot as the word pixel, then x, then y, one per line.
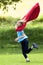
pixel 16 39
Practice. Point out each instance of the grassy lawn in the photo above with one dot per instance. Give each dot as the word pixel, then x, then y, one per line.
pixel 10 51
pixel 13 56
pixel 17 59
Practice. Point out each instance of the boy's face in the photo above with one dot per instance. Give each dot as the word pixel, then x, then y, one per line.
pixel 19 23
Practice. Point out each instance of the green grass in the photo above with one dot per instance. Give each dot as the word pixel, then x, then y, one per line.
pixel 17 59
pixel 14 56
pixel 10 51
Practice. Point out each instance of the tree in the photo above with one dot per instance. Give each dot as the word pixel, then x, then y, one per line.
pixel 7 2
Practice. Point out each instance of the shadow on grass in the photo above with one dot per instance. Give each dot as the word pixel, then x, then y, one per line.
pixel 9 46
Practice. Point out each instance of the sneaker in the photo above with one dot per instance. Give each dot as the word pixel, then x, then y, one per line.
pixel 35 45
pixel 27 60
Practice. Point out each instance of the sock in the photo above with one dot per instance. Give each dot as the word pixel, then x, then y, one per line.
pixel 27 60
pixel 31 47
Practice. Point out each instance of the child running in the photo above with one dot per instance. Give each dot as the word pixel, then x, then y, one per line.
pixel 22 38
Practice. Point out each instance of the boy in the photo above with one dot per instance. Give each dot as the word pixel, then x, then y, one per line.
pixel 22 38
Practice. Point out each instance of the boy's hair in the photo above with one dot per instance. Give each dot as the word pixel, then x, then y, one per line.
pixel 21 23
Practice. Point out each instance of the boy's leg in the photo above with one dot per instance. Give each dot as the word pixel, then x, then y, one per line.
pixel 24 53
pixel 33 46
pixel 24 46
pixel 23 49
pixel 28 50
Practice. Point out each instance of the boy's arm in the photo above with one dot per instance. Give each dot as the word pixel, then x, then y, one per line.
pixel 19 37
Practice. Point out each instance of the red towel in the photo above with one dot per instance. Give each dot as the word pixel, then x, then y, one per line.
pixel 31 15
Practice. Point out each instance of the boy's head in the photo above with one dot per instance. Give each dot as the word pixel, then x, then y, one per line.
pixel 20 23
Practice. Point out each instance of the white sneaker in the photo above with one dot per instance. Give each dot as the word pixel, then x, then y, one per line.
pixel 27 60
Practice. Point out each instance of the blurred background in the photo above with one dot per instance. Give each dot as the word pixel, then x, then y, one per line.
pixel 10 12
pixel 10 51
pixel 18 8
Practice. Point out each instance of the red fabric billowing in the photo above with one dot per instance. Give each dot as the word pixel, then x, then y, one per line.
pixel 31 15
